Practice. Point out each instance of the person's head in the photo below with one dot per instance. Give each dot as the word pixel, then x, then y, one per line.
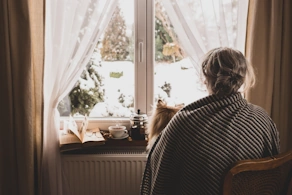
pixel 226 70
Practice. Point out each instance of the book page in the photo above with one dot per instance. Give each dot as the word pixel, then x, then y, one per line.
pixel 83 128
pixel 72 126
pixel 93 135
pixel 68 138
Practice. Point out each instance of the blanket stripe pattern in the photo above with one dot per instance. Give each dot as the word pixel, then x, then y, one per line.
pixel 202 141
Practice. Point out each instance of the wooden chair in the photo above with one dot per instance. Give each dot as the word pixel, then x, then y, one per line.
pixel 269 176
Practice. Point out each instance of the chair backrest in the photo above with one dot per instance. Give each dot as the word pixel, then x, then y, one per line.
pixel 271 175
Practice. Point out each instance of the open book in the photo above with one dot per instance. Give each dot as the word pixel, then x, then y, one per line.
pixel 72 137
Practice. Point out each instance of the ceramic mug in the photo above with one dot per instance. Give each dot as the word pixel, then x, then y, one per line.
pixel 117 131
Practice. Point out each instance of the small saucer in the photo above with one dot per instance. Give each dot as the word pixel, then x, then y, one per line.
pixel 123 137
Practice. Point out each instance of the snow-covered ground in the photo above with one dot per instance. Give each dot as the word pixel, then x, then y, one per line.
pixel 185 83
pixel 185 86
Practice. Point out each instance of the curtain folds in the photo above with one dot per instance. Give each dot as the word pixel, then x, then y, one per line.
pixel 73 28
pixel 21 75
pixel 268 48
pixel 204 25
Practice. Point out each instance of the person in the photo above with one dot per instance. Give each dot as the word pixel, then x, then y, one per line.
pixel 202 141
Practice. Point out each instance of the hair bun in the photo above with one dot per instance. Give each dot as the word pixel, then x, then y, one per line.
pixel 233 77
pixel 225 71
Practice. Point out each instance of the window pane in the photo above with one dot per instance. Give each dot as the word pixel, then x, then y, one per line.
pixel 106 87
pixel 175 81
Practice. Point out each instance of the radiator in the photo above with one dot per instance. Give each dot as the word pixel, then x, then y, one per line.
pixel 103 174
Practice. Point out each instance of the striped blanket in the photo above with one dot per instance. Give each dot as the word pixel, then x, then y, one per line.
pixel 201 142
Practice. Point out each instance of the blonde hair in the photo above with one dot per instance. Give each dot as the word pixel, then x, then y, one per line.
pixel 226 70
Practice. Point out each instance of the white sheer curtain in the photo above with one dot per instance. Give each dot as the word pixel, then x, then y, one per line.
pixel 202 25
pixel 72 31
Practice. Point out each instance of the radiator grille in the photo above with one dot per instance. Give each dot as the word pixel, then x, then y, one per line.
pixel 103 174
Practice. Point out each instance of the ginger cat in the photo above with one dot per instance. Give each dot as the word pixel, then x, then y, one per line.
pixel 160 117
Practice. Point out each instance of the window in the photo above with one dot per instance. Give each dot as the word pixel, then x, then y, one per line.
pixel 144 54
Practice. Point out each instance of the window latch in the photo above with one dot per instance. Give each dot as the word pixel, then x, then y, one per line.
pixel 141 51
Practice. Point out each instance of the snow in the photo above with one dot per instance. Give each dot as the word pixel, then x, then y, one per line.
pixel 185 83
pixel 86 84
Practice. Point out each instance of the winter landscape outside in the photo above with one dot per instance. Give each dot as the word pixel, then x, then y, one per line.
pixel 106 86
pixel 118 101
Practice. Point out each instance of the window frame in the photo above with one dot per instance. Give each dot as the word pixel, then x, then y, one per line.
pixel 144 71
pixel 144 68
pixel 144 19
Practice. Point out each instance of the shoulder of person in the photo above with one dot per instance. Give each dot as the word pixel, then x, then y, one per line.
pixel 260 112
pixel 258 109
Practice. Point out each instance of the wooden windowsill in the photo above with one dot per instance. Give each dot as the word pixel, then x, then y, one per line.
pixel 112 145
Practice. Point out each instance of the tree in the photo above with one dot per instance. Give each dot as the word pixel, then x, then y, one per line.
pixel 167 88
pixel 88 91
pixel 115 42
pixel 161 38
pixel 166 41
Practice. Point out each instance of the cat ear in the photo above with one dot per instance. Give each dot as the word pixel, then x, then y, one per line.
pixel 180 105
pixel 160 102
